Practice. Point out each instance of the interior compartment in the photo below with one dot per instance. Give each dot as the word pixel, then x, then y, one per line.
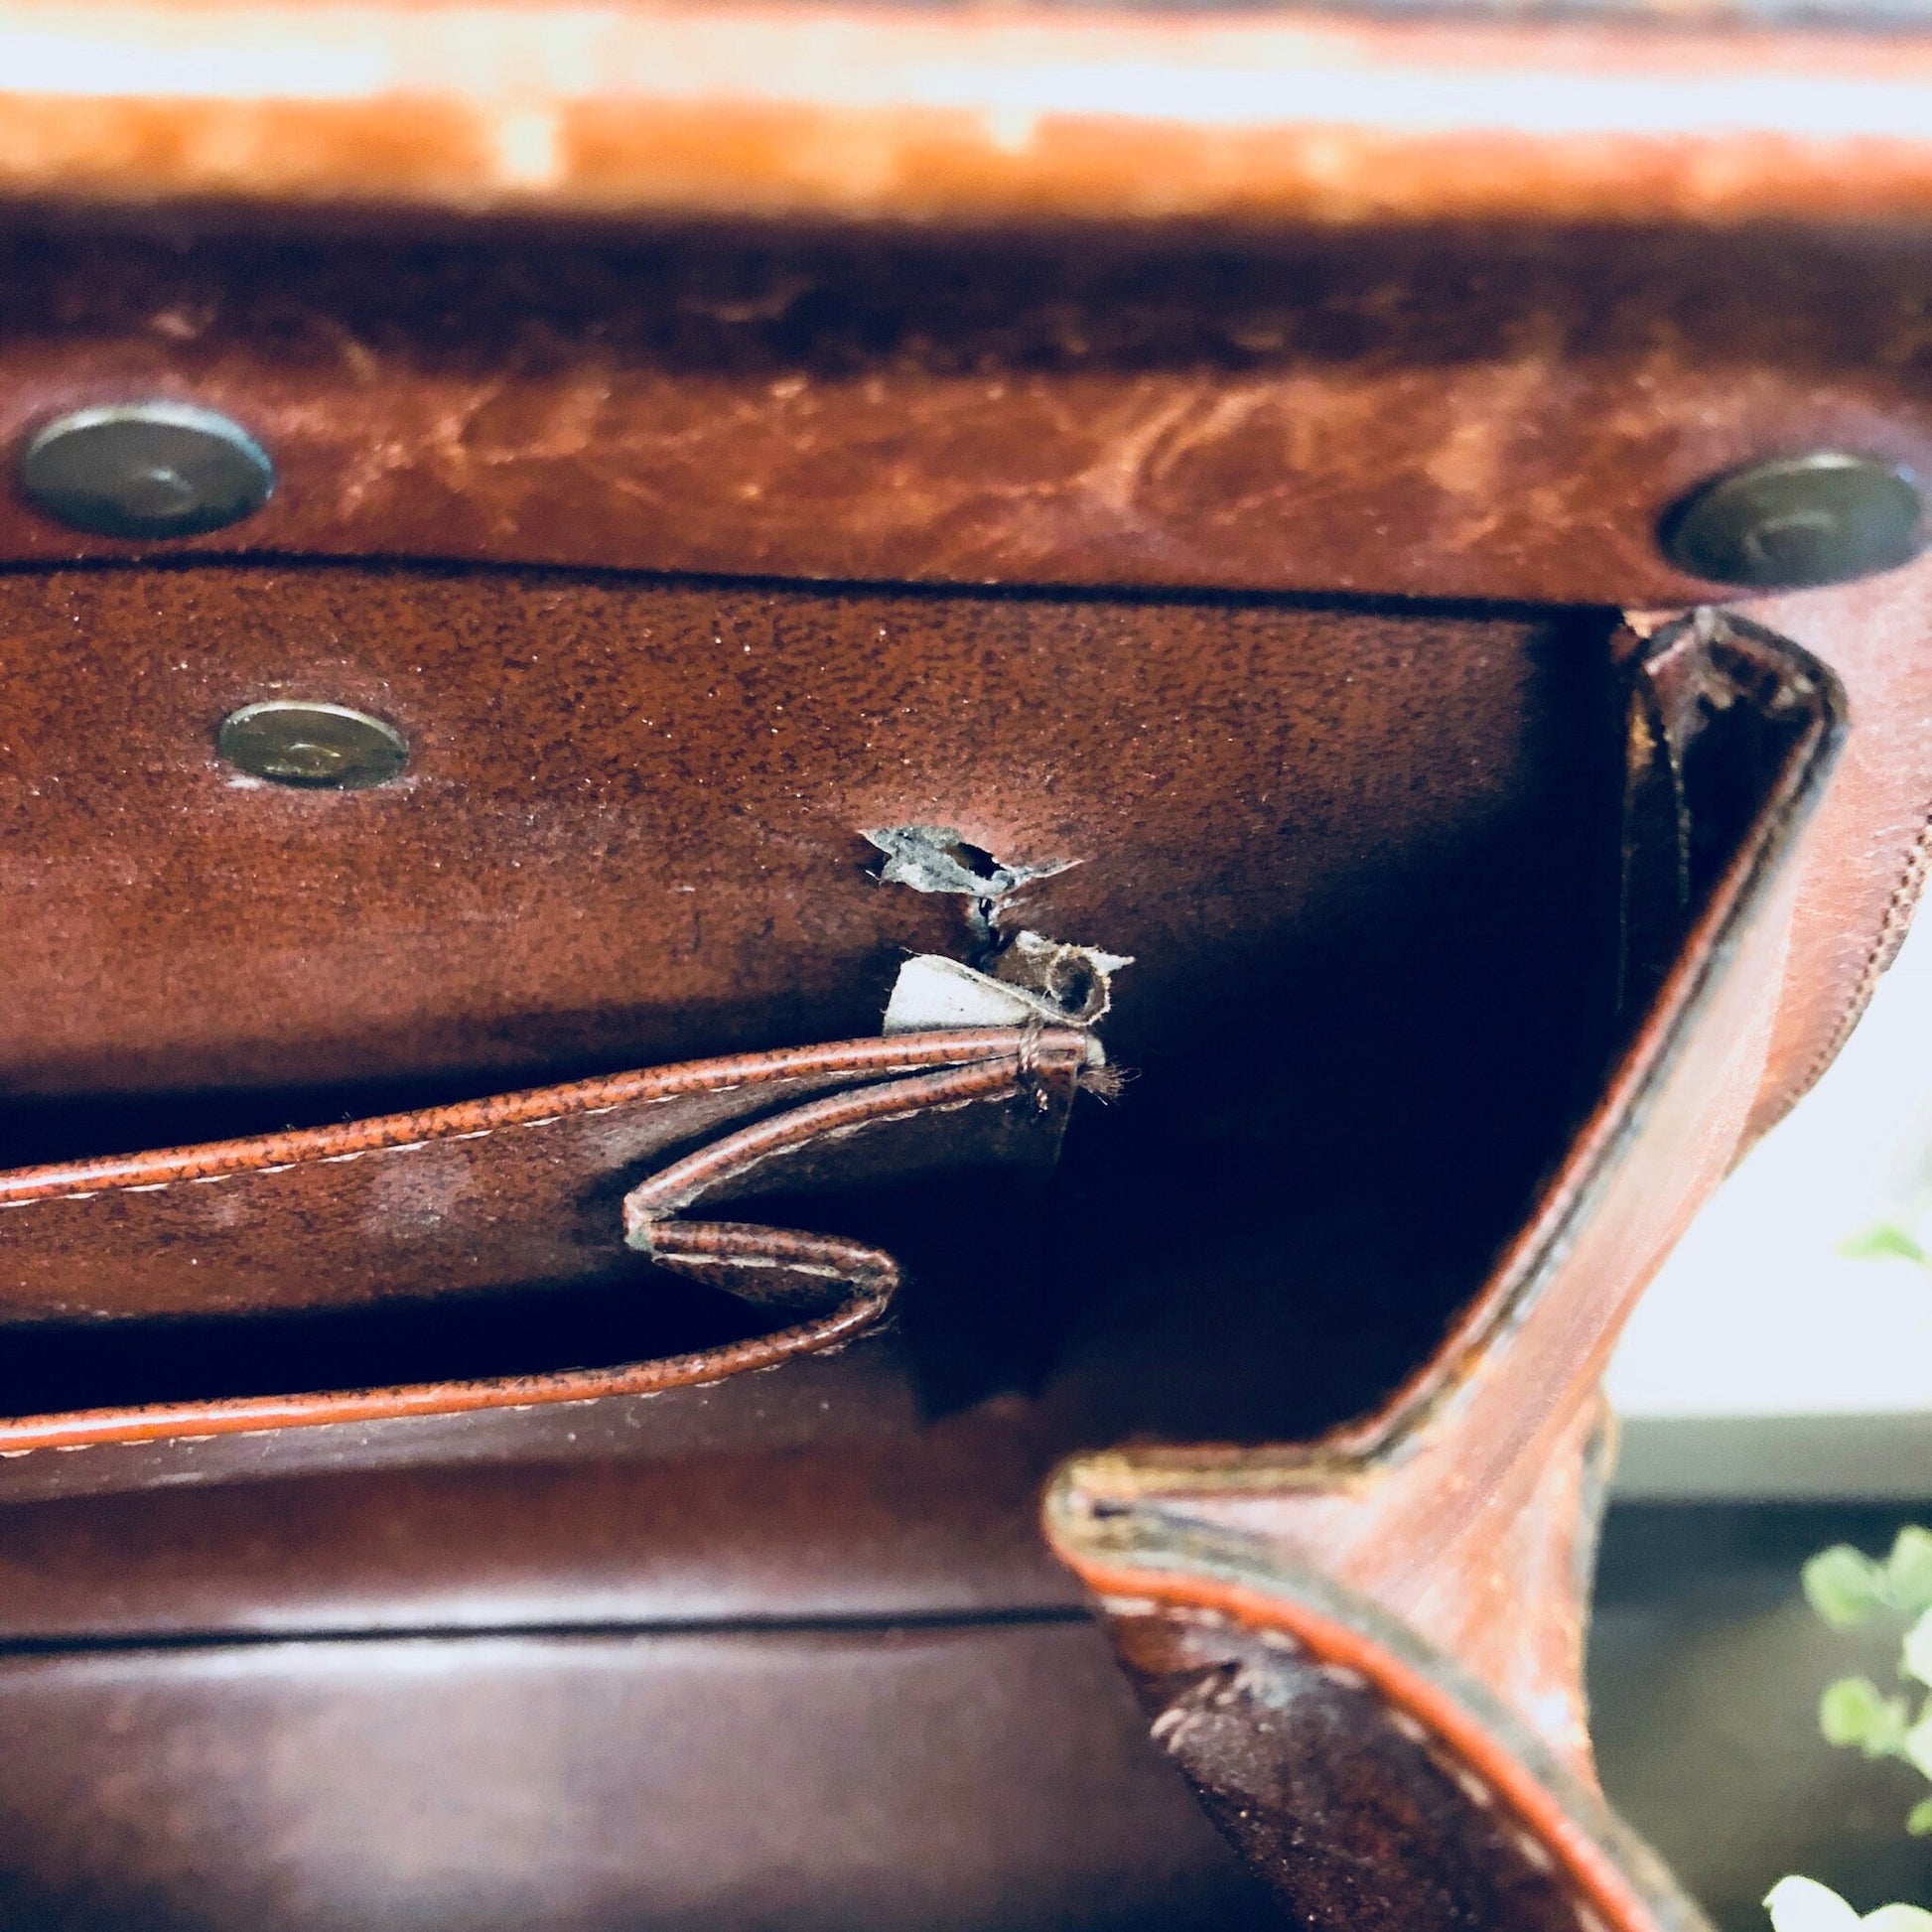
pixel 1393 909
pixel 1365 858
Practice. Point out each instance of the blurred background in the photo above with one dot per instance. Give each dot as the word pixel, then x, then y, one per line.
pixel 1775 1396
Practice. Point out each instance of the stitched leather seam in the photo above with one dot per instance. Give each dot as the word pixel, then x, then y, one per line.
pixel 907 1056
pixel 1892 928
pixel 247 1416
pixel 687 1181
pixel 446 1140
pixel 360 1154
pixel 847 1130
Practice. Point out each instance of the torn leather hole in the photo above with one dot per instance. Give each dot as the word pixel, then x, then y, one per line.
pixel 1018 979
pixel 938 858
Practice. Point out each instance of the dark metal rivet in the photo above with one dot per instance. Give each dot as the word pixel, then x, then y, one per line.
pixel 1822 519
pixel 146 469
pixel 320 747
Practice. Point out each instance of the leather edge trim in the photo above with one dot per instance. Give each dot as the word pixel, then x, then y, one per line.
pixel 882 1057
pixel 1531 1262
pixel 1138 1560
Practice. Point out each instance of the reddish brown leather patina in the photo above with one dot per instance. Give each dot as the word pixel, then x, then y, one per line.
pixel 1435 1058
pixel 633 825
pixel 455 1200
pixel 1454 1506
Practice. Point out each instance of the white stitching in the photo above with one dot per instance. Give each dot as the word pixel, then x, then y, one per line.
pixel 1409 1726
pixel 1530 1850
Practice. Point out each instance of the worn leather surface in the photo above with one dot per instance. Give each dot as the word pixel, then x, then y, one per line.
pixel 1863 871
pixel 631 828
pixel 688 1514
pixel 562 1196
pixel 1503 412
pixel 632 831
pixel 1363 1778
pixel 516 1192
pixel 900 1477
pixel 518 904
pixel 1356 1817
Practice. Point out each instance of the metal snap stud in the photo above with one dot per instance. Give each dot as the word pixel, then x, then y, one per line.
pixel 146 469
pixel 1793 521
pixel 319 747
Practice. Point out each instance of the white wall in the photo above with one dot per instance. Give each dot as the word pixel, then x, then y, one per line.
pixel 1756 1314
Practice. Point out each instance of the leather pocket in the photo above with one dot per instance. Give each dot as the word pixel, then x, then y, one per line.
pixel 229 1286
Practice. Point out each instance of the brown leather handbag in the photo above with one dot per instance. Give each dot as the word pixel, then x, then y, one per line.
pixel 871 881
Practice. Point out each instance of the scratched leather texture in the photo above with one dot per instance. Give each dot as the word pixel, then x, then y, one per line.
pixel 1345 1809
pixel 1429 410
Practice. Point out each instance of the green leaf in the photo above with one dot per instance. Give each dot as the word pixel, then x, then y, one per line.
pixel 1884 1242
pixel 1918 1821
pixel 1849 1710
pixel 1854 1711
pixel 1844 1586
pixel 1917 1658
pixel 1908 1570
pixel 1916 1746
pixel 1803 1905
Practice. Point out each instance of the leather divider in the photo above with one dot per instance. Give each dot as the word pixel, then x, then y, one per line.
pixel 523 1190
pixel 1409 1591
pixel 759 1264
